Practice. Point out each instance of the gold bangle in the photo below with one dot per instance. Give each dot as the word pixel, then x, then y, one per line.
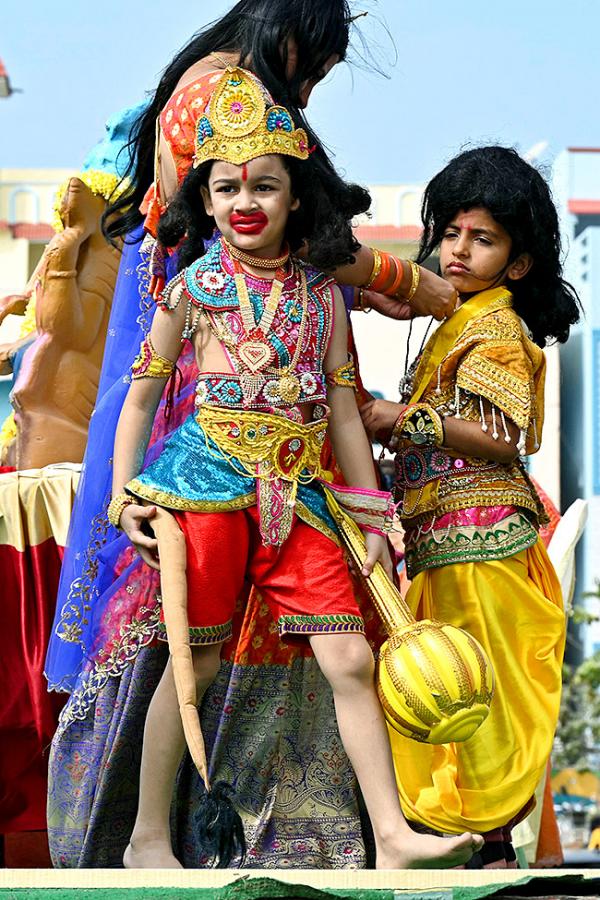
pixel 416 277
pixel 376 268
pixel 116 507
pixel 361 302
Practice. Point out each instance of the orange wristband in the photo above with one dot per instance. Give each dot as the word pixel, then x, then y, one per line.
pixel 380 282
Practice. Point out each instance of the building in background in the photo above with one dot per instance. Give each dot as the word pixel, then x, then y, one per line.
pixel 576 186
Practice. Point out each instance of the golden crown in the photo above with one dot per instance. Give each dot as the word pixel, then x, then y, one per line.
pixel 240 125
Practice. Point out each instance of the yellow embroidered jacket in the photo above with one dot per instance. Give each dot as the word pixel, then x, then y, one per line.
pixel 481 354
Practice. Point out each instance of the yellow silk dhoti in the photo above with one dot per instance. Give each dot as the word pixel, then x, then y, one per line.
pixel 514 607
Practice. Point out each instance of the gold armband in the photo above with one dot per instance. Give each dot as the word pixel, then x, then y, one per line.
pixel 343 376
pixel 116 507
pixel 420 424
pixel 149 364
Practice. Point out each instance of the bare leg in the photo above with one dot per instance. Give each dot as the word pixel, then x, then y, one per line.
pixel 347 663
pixel 164 744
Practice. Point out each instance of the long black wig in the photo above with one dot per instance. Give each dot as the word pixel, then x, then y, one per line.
pixel 518 198
pixel 322 221
pixel 258 32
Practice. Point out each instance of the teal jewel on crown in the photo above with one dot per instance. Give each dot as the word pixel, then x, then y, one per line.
pixel 279 119
pixel 203 130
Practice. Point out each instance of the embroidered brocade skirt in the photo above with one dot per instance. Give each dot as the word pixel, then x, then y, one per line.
pixel 513 606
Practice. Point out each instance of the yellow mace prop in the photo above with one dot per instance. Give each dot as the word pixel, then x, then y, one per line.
pixel 434 681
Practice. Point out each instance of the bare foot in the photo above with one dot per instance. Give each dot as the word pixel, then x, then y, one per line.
pixel 151 854
pixel 410 850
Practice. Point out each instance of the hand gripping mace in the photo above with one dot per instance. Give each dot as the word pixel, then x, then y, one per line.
pixel 434 681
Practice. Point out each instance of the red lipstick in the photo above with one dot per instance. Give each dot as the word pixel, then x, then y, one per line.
pixel 253 223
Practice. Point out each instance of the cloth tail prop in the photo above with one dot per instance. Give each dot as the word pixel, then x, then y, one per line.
pixel 220 825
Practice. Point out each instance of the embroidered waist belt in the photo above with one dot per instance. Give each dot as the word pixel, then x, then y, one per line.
pixel 429 480
pixel 228 390
pixel 416 466
pixel 275 451
pixel 265 445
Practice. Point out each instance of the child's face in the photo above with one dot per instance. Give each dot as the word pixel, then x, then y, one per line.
pixel 475 253
pixel 251 203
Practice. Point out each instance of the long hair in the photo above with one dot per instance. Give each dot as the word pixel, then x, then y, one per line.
pixel 519 199
pixel 323 218
pixel 257 30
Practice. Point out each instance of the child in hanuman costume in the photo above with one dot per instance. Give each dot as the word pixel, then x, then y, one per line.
pixel 475 407
pixel 240 476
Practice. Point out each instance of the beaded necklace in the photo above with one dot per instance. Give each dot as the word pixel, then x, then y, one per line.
pixel 260 262
pixel 253 378
pixel 254 350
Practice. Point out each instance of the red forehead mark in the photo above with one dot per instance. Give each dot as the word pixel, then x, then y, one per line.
pixel 463 222
pixel 244 172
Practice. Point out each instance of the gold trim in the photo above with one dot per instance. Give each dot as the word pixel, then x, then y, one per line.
pixel 310 518
pixel 173 501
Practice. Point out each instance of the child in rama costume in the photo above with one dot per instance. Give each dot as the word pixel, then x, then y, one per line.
pixel 241 474
pixel 472 408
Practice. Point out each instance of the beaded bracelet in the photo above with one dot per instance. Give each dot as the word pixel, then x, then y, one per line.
pixel 116 507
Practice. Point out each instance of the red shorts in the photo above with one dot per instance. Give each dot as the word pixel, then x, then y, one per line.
pixel 305 582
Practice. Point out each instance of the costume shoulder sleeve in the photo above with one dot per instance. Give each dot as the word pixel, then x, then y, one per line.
pixel 502 366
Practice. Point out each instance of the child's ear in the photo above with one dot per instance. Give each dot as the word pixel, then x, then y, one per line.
pixel 205 194
pixel 295 204
pixel 520 266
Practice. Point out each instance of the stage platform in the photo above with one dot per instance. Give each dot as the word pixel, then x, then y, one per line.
pixel 297 884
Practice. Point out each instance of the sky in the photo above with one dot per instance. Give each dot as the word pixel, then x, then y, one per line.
pixel 517 72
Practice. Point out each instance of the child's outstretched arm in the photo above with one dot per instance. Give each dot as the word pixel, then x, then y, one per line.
pixel 135 424
pixel 380 416
pixel 348 438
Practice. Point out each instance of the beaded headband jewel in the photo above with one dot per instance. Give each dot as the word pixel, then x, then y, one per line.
pixel 239 125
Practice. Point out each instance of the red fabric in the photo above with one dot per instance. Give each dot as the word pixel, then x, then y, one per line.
pixel 307 575
pixel 27 850
pixel 28 713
